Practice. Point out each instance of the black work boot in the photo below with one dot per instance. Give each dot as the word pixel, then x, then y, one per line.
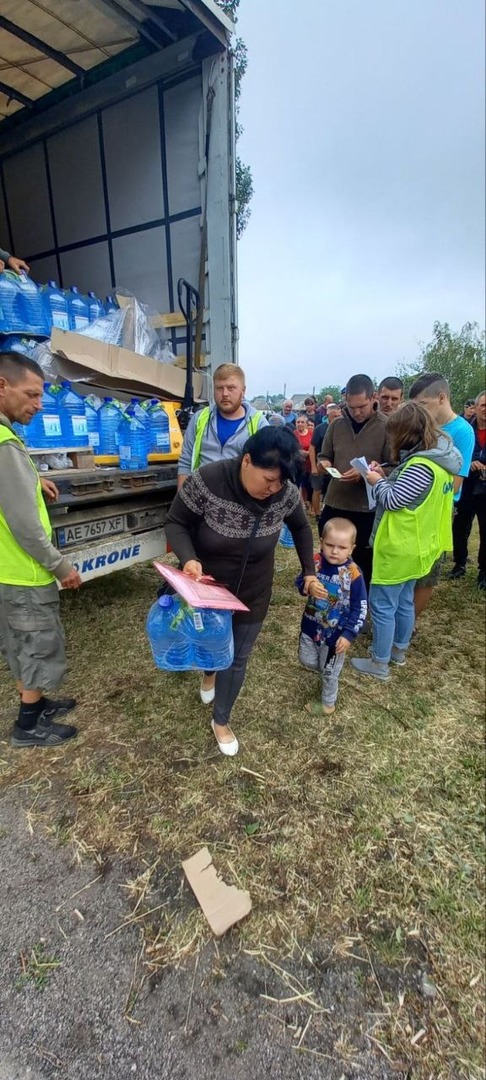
pixel 456 572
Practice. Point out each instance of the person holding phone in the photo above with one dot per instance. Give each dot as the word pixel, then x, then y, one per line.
pixel 359 432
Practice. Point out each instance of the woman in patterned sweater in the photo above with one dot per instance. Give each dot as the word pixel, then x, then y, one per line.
pixel 226 521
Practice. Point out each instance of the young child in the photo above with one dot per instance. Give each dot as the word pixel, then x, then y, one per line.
pixel 335 611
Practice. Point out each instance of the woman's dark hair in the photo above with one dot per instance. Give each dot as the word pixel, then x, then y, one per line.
pixel 276 448
pixel 411 427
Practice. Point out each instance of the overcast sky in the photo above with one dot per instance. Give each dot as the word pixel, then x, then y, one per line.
pixel 364 129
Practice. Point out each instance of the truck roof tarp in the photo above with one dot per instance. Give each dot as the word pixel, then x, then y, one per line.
pixel 53 47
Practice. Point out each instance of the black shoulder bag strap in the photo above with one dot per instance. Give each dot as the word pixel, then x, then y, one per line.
pixel 246 554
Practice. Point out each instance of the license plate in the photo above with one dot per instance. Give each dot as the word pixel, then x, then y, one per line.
pixel 90 530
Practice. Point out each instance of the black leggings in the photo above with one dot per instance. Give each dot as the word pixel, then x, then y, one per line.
pixel 230 681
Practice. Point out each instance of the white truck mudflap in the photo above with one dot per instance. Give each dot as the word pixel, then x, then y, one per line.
pixel 119 553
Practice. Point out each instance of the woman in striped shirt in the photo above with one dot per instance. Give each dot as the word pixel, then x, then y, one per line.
pixel 412 529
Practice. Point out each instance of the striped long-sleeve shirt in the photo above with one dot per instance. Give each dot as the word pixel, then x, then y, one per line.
pixel 409 485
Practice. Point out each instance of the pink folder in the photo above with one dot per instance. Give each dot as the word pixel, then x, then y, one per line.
pixel 197 593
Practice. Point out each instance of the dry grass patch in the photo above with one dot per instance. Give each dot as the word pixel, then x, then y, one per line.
pixel 363 829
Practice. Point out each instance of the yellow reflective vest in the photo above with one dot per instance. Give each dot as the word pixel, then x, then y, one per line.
pixel 409 541
pixel 17 567
pixel 202 420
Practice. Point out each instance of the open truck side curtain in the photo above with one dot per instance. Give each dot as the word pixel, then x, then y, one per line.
pixel 130 182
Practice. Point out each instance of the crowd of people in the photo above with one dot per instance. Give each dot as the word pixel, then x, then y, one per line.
pixel 383 528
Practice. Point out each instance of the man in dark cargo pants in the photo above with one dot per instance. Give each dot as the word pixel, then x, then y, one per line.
pixel 31 632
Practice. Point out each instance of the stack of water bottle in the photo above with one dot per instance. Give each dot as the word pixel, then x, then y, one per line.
pixel 184 639
pixel 27 308
pixel 68 420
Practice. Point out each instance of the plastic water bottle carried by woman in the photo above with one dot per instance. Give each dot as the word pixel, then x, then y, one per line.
pixel 171 648
pixel 286 539
pixel 211 635
pixel 184 639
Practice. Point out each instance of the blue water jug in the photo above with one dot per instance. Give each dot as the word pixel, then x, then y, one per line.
pixel 11 316
pixel 93 424
pixel 111 305
pixel 171 649
pixel 109 418
pixel 32 308
pixel 73 417
pixel 137 409
pixel 56 304
pixel 158 428
pixel 22 430
pixel 78 310
pixel 211 635
pixel 132 439
pixel 286 538
pixel 95 307
pixel 46 427
pixel 16 343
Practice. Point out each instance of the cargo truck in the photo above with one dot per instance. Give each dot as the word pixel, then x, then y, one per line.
pixel 117 168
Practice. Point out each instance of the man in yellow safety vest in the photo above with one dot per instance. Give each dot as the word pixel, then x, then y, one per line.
pixel 221 430
pixel 31 632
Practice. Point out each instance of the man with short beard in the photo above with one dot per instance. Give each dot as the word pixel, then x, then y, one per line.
pixel 359 432
pixel 221 430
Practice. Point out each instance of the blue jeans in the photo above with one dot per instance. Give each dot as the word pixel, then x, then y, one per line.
pixel 393 615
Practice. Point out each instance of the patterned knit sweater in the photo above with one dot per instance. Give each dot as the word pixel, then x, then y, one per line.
pixel 211 520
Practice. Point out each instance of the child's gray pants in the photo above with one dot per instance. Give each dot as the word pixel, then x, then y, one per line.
pixel 314 657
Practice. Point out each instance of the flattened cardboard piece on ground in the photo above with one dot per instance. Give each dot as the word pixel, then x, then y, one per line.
pixel 223 905
pixel 116 363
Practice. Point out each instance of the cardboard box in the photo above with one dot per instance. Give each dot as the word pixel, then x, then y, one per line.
pixel 82 459
pixel 118 366
pixel 223 905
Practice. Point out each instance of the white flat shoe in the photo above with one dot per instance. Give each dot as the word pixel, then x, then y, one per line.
pixel 229 749
pixel 207 696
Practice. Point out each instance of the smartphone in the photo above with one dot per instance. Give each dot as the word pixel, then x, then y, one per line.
pixel 333 472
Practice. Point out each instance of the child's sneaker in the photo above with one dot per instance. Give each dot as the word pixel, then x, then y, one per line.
pixel 316 708
pixel 398 657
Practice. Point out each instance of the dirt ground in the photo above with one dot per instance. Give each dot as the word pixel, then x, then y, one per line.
pixel 207 1020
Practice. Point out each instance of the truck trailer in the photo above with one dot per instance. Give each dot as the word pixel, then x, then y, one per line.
pixel 117 169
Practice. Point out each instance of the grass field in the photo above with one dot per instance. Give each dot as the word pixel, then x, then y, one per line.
pixel 358 836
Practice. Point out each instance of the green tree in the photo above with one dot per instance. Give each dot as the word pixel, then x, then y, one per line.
pixel 244 180
pixel 458 355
